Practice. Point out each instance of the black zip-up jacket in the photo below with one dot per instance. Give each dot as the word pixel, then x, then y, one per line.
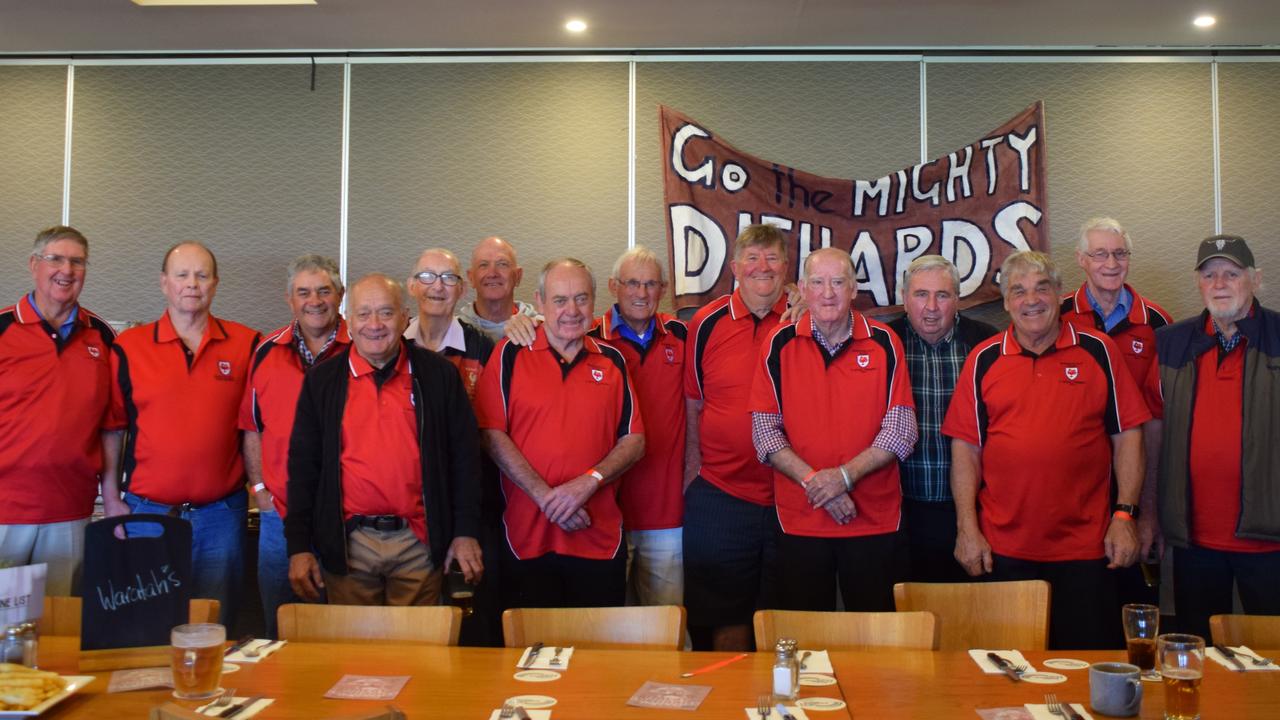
pixel 448 442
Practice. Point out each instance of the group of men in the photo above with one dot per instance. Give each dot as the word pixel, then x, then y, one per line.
pixel 767 454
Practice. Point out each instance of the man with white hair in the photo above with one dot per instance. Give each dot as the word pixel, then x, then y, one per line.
pixel 1219 474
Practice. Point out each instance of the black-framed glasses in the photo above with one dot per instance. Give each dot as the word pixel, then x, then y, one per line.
pixel 56 260
pixel 1101 255
pixel 426 277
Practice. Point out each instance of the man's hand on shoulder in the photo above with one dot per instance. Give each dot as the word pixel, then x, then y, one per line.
pixel 522 329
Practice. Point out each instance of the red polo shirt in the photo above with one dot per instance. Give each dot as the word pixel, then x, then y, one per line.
pixel 651 493
pixel 1135 336
pixel 564 417
pixel 1044 425
pixel 720 362
pixel 271 398
pixel 54 396
pixel 381 460
pixel 184 441
pixel 831 408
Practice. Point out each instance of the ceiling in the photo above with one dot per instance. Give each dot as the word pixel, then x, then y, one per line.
pixel 63 27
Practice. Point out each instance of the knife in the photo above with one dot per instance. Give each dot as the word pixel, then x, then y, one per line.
pixel 239 644
pixel 521 713
pixel 1005 666
pixel 235 710
pixel 782 710
pixel 1071 712
pixel 1230 654
pixel 533 654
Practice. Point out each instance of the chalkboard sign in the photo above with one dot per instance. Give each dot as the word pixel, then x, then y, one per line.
pixel 135 589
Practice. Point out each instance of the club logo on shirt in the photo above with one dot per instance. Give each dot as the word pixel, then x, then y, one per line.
pixel 94 352
pixel 224 367
pixel 1137 347
pixel 863 360
pixel 671 355
pixel 1072 372
pixel 597 374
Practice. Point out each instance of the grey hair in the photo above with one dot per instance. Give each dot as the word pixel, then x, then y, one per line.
pixel 1102 224
pixel 571 262
pixel 58 232
pixel 849 271
pixel 457 266
pixel 639 253
pixel 1021 263
pixel 319 263
pixel 931 263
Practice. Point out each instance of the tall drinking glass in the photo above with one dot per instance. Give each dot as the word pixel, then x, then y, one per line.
pixel 1181 662
pixel 1141 626
pixel 197 660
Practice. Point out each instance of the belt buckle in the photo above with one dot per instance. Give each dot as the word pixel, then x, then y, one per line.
pixel 177 510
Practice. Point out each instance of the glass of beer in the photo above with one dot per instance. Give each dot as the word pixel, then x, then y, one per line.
pixel 196 657
pixel 1181 662
pixel 1141 626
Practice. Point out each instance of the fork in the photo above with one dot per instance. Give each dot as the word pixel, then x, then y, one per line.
pixel 217 705
pixel 1055 708
pixel 254 652
pixel 764 705
pixel 507 712
pixel 1255 659
pixel 555 659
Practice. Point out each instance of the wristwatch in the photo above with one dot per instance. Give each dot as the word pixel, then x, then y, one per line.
pixel 1132 510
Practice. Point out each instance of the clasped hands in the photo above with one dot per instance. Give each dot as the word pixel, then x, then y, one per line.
pixel 563 504
pixel 826 489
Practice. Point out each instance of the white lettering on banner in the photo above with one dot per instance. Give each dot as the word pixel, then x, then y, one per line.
pixel 163 584
pixel 867 268
pixel 912 243
pixel 705 173
pixel 1023 146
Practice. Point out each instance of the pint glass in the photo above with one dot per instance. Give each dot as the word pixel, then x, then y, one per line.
pixel 1181 662
pixel 1141 625
pixel 197 660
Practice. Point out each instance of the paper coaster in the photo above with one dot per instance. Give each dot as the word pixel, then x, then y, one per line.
pixel 1065 664
pixel 816 680
pixel 531 701
pixel 1150 676
pixel 821 703
pixel 1044 678
pixel 228 668
pixel 537 676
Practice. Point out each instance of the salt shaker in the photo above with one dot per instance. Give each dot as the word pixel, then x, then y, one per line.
pixel 786 671
pixel 30 645
pixel 11 646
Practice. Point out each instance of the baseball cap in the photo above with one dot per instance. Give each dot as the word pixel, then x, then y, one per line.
pixel 1231 247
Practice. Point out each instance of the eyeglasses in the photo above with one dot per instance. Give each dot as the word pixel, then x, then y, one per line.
pixel 426 277
pixel 1101 255
pixel 648 285
pixel 77 263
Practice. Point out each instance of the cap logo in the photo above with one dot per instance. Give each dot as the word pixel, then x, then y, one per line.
pixel 597 374
pixel 1221 243
pixel 224 367
pixel 1072 372
pixel 1137 347
pixel 863 360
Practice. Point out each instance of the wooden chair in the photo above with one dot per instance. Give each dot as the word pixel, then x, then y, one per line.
pixel 1256 631
pixel 62 614
pixel 425 625
pixel 847 630
pixel 658 627
pixel 982 614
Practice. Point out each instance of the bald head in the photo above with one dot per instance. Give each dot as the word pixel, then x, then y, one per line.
pixel 376 317
pixel 494 272
pixel 436 283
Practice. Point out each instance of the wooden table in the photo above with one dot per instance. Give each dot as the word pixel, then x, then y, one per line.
pixel 461 683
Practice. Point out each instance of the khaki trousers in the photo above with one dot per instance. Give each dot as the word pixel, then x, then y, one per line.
pixel 385 568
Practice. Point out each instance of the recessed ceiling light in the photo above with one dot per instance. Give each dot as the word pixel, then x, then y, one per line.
pixel 1204 21
pixel 575 25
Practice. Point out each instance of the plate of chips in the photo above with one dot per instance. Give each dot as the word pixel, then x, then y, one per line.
pixel 27 692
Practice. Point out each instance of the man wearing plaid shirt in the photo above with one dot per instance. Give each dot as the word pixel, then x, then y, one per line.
pixel 936 339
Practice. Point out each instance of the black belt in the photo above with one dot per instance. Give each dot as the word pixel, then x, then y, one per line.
pixel 385 523
pixel 177 510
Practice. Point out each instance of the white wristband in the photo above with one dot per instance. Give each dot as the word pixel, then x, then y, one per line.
pixel 848 483
pixel 259 487
pixel 597 475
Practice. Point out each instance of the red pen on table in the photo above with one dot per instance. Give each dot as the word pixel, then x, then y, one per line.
pixel 713 666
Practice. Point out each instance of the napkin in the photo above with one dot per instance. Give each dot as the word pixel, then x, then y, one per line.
pixel 544 659
pixel 1041 712
pixel 257 707
pixel 817 662
pixel 796 712
pixel 533 714
pixel 988 667
pixel 259 644
pixel 1244 651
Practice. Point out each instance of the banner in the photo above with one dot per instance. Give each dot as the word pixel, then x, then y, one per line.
pixel 974 206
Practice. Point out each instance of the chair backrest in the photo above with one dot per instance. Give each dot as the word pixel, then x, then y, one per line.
pixel 847 630
pixel 427 625
pixel 62 614
pixel 1256 631
pixel 1012 614
pixel 655 627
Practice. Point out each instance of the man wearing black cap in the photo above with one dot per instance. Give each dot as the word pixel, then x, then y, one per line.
pixel 1219 476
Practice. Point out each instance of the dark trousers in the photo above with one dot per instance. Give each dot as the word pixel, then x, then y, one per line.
pixel 866 569
pixel 1082 600
pixel 1203 579
pixel 931 537
pixel 483 628
pixel 555 580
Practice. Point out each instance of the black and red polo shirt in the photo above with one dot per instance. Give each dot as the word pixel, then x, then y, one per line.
pixel 54 397
pixel 271 398
pixel 381 460
pixel 564 416
pixel 1044 425
pixel 181 409
pixel 1135 336
pixel 651 493
pixel 832 407
pixel 720 362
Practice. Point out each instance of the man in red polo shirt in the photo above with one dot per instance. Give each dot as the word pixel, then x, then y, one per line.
pixel 560 421
pixel 832 412
pixel 1217 390
pixel 383 485
pixel 270 399
pixel 730 526
pixel 1041 416
pixel 55 387
pixel 178 386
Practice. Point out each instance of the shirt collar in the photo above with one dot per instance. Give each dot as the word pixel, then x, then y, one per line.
pixel 860 329
pixel 1136 309
pixel 738 307
pixel 1066 338
pixel 911 331
pixel 288 334
pixel 617 326
pixel 165 332
pixel 361 367
pixel 32 314
pixel 540 342
pixel 454 337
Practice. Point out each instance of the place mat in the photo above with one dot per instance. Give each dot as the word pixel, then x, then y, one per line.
pixel 1003 713
pixel 533 714
pixel 140 679
pixel 543 661
pixel 1041 712
pixel 796 712
pixel 817 662
pixel 264 647
pixel 669 696
pixel 258 706
pixel 1244 652
pixel 367 687
pixel 980 656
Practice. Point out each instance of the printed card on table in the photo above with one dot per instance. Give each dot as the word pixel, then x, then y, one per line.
pixel 367 687
pixel 140 679
pixel 666 696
